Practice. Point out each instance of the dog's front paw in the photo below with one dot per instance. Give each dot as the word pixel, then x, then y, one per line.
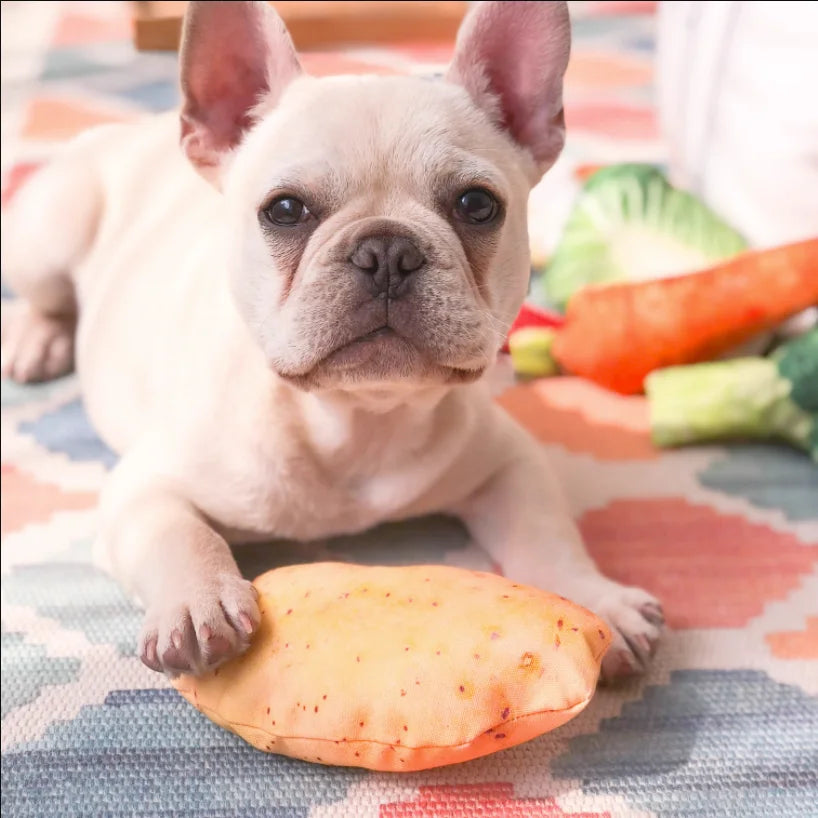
pixel 636 619
pixel 198 630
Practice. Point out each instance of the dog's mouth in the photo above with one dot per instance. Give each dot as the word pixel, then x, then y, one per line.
pixel 382 354
pixel 384 340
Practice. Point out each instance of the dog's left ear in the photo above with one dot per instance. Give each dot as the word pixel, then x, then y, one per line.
pixel 234 55
pixel 511 56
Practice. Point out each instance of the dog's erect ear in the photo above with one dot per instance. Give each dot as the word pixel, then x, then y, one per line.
pixel 511 57
pixel 233 56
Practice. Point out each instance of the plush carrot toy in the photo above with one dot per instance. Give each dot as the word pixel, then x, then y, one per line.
pixel 617 334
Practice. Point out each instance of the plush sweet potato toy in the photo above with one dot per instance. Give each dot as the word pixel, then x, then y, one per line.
pixel 402 668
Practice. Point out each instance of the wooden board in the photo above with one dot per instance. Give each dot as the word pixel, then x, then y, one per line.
pixel 319 24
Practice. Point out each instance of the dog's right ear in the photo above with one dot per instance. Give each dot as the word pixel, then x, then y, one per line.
pixel 234 55
pixel 511 56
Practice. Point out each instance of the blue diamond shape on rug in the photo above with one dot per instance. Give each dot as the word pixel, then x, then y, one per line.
pixel 149 753
pixel 18 394
pixel 732 743
pixel 768 477
pixel 154 91
pixel 160 95
pixel 419 541
pixel 27 668
pixel 80 597
pixel 643 43
pixel 67 430
pixel 148 81
pixel 70 63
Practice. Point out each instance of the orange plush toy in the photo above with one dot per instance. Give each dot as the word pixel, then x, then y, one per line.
pixel 617 334
pixel 402 669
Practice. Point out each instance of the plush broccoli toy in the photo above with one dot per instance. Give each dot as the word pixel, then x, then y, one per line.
pixel 758 398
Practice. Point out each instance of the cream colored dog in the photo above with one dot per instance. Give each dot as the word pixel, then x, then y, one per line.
pixel 296 346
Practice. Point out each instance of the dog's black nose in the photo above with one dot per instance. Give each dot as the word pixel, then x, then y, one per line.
pixel 388 261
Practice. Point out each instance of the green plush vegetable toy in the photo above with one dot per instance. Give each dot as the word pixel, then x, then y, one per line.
pixel 760 398
pixel 630 224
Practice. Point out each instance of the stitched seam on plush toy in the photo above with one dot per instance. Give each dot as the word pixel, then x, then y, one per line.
pixel 582 702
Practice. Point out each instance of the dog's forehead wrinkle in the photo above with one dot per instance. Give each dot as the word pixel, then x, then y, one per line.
pixel 308 172
pixel 407 127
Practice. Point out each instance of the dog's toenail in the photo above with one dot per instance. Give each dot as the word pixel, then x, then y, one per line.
pixel 653 613
pixel 149 654
pixel 246 623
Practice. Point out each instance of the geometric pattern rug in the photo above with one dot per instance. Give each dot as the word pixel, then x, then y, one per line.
pixel 725 723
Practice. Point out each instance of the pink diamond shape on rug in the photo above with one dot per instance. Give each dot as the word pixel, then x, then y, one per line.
pixel 425 52
pixel 607 71
pixel 78 29
pixel 614 7
pixel 581 417
pixel 328 63
pixel 612 119
pixel 710 570
pixel 50 118
pixel 16 178
pixel 26 500
pixel 478 801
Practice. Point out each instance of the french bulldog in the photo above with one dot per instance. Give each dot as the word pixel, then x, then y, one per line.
pixel 285 327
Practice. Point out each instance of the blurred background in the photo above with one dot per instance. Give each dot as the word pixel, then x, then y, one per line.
pixel 719 94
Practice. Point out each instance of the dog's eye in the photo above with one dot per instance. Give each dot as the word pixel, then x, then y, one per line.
pixel 476 206
pixel 286 211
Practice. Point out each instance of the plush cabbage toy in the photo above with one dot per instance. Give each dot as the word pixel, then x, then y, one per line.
pixel 772 398
pixel 630 224
pixel 402 668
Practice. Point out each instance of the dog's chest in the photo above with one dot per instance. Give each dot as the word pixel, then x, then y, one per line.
pixel 300 501
pixel 341 480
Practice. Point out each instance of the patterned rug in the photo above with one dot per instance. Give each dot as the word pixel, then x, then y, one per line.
pixel 724 724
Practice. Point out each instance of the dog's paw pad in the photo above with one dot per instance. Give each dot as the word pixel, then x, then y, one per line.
pixel 215 647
